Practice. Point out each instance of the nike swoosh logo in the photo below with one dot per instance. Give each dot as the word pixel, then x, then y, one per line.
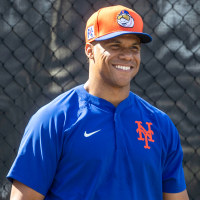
pixel 89 134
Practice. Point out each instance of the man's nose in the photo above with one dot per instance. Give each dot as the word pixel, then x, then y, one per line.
pixel 126 54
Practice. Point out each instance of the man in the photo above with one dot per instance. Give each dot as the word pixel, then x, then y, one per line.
pixel 99 141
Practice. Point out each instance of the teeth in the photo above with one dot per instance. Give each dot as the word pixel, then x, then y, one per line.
pixel 123 67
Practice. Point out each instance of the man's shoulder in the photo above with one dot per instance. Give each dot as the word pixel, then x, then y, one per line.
pixel 65 98
pixel 162 119
pixel 62 104
pixel 147 107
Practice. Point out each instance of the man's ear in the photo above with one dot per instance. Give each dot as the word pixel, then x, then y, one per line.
pixel 89 50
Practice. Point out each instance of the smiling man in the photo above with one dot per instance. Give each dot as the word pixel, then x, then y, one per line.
pixel 99 141
pixel 113 64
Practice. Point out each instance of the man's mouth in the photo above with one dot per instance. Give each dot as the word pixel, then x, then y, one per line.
pixel 125 68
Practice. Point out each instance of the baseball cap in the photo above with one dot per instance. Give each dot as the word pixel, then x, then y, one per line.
pixel 113 21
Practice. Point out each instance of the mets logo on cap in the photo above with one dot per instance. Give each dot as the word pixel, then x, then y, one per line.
pixel 124 19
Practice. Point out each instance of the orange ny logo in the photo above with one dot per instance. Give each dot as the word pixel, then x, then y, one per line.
pixel 147 133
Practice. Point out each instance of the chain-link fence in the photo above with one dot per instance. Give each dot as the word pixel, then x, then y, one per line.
pixel 42 55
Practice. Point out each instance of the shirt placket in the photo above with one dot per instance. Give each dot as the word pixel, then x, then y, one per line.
pixel 118 131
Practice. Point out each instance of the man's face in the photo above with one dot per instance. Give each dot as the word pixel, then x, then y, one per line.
pixel 116 61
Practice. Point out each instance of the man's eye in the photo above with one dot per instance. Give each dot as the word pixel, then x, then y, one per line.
pixel 135 48
pixel 115 46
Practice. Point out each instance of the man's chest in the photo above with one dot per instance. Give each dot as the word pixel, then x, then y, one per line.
pixel 103 136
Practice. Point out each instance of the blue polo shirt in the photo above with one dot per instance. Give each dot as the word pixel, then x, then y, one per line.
pixel 81 147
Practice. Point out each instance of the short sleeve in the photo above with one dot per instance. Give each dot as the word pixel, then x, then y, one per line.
pixel 173 174
pixel 39 151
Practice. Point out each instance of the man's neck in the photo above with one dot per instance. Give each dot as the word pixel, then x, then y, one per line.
pixel 114 95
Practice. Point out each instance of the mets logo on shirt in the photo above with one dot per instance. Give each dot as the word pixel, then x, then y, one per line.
pixel 124 19
pixel 145 135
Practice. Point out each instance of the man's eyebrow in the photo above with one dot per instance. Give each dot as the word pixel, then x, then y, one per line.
pixel 136 43
pixel 114 41
pixel 118 42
